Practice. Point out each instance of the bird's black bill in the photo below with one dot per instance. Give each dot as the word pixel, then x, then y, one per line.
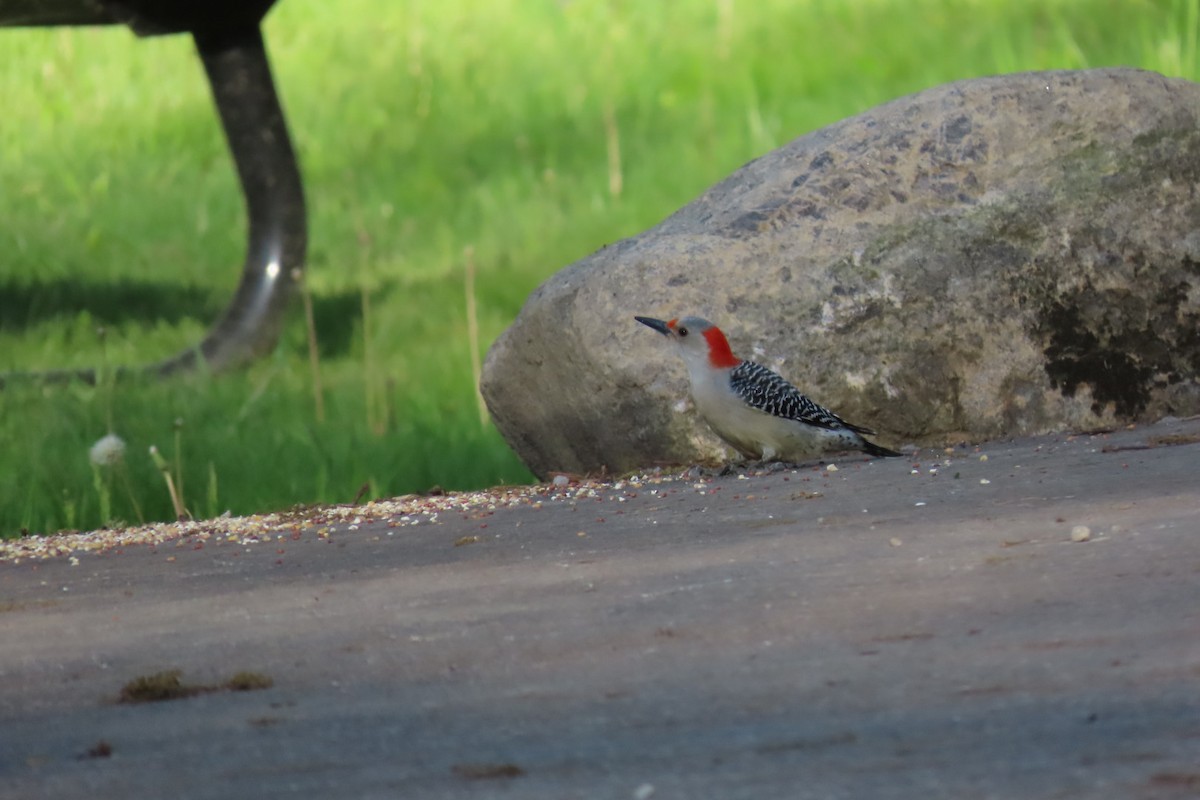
pixel 656 324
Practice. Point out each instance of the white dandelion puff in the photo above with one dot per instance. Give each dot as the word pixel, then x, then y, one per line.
pixel 107 451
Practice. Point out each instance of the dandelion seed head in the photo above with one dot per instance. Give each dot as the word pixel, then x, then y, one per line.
pixel 107 450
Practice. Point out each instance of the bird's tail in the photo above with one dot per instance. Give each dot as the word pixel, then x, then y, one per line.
pixel 872 449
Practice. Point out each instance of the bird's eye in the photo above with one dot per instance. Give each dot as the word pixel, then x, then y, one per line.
pixel 682 331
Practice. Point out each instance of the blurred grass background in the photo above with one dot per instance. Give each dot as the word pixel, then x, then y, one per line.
pixel 530 131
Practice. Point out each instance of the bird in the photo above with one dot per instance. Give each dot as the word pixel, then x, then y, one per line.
pixel 753 408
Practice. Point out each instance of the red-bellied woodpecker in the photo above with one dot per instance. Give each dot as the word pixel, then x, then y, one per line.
pixel 753 408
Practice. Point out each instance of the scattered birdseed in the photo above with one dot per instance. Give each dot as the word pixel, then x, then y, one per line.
pixel 322 521
pixel 1081 533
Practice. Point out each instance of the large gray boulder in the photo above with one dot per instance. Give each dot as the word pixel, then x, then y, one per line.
pixel 1000 256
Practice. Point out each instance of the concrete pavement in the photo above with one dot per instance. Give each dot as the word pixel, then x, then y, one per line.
pixel 904 628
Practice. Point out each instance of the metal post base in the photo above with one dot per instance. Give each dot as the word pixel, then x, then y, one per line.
pixel 244 92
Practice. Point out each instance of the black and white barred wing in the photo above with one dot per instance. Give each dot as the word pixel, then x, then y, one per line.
pixel 769 392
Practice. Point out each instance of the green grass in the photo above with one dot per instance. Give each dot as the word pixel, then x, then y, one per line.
pixel 424 128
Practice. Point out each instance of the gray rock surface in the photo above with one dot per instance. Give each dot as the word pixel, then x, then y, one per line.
pixel 866 633
pixel 999 256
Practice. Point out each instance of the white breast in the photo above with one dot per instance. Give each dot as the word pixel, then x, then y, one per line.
pixel 757 434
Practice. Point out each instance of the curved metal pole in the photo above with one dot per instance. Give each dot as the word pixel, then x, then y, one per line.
pixel 240 76
pixel 244 92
